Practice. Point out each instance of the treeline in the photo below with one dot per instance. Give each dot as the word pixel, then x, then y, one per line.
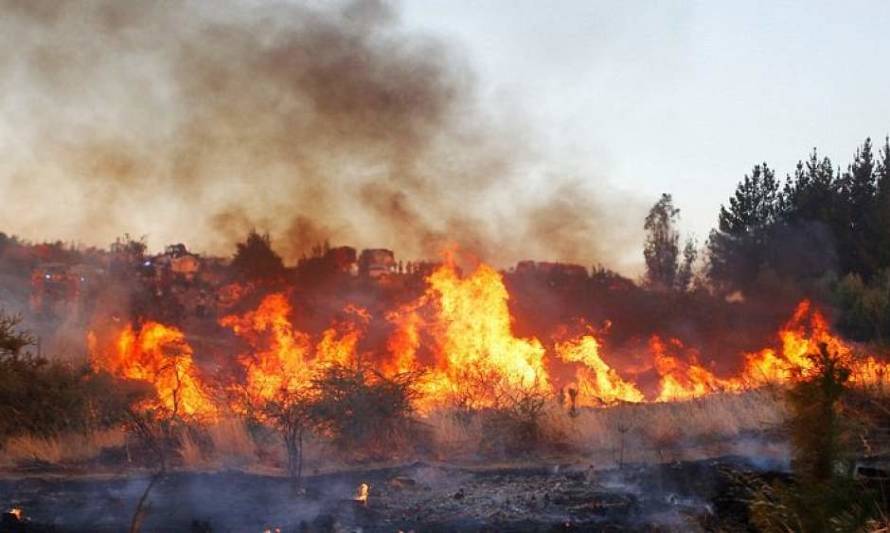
pixel 824 229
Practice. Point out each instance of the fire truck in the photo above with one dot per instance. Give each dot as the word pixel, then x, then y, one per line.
pixel 58 287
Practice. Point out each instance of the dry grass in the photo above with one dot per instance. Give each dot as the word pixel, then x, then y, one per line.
pixel 190 452
pixel 231 441
pixel 72 448
pixel 635 432
pixel 663 431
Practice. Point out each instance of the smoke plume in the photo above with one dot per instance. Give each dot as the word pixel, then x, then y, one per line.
pixel 196 121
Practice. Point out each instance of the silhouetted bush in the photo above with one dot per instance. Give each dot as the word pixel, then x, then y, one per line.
pixel 364 412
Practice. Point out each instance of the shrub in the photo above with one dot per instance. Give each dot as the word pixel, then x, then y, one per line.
pixel 361 410
pixel 43 398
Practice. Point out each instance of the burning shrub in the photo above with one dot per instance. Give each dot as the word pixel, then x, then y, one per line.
pixel 360 409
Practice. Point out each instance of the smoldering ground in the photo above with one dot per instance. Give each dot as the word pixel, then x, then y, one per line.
pixel 195 121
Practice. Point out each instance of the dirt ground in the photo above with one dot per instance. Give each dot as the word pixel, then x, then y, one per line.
pixel 681 496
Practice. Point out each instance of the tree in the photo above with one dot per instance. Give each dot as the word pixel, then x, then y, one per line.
pixel 823 495
pixel 662 250
pixel 738 248
pixel 290 412
pixel 360 409
pixel 255 259
pixel 858 229
pixel 687 267
pixel 881 216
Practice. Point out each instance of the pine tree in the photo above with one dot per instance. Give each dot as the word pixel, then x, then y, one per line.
pixel 881 209
pixel 737 249
pixel 858 233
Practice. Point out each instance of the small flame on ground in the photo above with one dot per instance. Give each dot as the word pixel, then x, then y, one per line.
pixel 361 495
pixel 17 513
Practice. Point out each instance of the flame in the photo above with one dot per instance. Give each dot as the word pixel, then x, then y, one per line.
pixel 459 332
pixel 597 382
pixel 801 337
pixel 683 380
pixel 160 355
pixel 477 357
pixel 17 513
pixel 283 358
pixel 361 495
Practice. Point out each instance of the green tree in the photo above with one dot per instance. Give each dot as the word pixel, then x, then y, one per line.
pixel 823 495
pixel 857 230
pixel 739 247
pixel 881 208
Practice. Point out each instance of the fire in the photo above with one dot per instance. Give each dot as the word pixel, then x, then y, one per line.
pixel 477 357
pixel 801 337
pixel 459 333
pixel 683 380
pixel 17 513
pixel 283 358
pixel 160 355
pixel 279 354
pixel 597 382
pixel 361 495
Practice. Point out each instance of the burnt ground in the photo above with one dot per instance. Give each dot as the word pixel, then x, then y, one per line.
pixel 686 496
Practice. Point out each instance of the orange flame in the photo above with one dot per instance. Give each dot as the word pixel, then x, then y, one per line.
pixel 597 382
pixel 460 333
pixel 161 356
pixel 477 356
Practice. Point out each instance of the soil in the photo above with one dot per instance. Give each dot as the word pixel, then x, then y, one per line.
pixel 684 496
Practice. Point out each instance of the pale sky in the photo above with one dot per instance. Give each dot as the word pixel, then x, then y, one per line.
pixel 518 129
pixel 679 97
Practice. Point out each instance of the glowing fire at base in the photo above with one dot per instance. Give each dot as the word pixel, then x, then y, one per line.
pixel 460 333
pixel 17 513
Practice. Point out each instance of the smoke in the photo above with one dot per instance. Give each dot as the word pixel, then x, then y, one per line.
pixel 196 121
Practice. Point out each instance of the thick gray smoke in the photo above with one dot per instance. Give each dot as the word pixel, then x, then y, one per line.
pixel 196 121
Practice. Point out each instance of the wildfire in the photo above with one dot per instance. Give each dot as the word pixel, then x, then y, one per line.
pixel 460 333
pixel 159 355
pixel 801 337
pixel 278 359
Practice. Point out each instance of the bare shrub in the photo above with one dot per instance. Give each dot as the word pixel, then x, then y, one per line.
pixel 290 414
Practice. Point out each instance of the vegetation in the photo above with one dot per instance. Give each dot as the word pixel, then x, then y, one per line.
pixel 823 494
pixel 255 260
pixel 824 230
pixel 43 398
pixel 361 410
pixel 665 268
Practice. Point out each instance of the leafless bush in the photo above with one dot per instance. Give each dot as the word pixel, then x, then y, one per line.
pixel 290 414
pixel 521 423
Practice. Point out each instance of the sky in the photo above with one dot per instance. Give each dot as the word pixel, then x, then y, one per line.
pixel 515 129
pixel 681 97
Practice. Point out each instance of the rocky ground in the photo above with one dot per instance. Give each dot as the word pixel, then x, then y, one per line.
pixel 686 496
